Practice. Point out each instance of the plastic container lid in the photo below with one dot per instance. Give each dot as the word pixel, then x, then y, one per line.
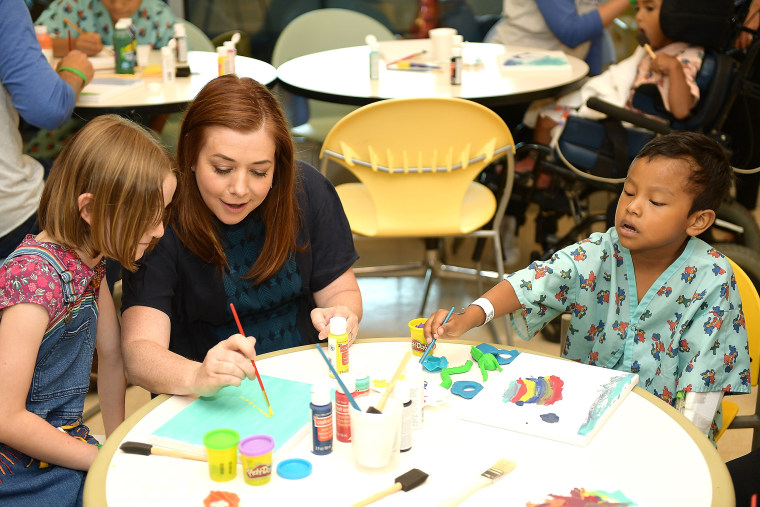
pixel 294 469
pixel 221 438
pixel 179 30
pixel 337 326
pixel 256 445
pixel 320 394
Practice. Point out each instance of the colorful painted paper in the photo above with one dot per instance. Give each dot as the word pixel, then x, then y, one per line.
pixel 550 398
pixel 243 409
pixel 520 61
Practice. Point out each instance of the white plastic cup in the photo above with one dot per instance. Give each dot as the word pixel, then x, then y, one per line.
pixel 442 40
pixel 376 438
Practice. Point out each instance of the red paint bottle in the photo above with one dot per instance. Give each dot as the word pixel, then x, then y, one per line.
pixel 342 407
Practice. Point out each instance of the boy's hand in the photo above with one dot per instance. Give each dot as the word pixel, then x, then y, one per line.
pixel 88 43
pixel 434 327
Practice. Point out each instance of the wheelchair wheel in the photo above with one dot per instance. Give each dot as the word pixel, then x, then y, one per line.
pixel 734 214
pixel 746 258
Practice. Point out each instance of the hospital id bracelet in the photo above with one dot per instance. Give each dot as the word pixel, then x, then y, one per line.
pixel 74 71
pixel 487 307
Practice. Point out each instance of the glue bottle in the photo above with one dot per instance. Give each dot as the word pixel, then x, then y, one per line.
pixel 45 40
pixel 180 36
pixel 167 64
pixel 221 59
pixel 413 375
pixel 321 419
pixel 337 344
pixel 456 60
pixel 402 393
pixel 374 56
pixel 342 408
pixel 231 46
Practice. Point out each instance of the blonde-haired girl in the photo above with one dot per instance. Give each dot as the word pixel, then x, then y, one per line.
pixel 105 197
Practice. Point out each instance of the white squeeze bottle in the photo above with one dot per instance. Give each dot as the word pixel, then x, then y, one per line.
pixel 413 375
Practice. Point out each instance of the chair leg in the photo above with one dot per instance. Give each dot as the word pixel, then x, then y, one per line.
pixel 432 247
pixel 499 255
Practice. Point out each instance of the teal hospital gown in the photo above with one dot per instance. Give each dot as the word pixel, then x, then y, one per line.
pixel 153 21
pixel 687 333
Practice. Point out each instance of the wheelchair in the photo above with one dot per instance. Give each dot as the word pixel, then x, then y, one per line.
pixel 588 158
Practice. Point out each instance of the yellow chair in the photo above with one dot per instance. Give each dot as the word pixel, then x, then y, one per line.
pixel 751 309
pixel 416 160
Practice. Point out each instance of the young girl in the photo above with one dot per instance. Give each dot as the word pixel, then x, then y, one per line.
pixel 105 196
pixel 646 296
pixel 673 71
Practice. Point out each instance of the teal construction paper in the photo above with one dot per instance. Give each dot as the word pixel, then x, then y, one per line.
pixel 236 408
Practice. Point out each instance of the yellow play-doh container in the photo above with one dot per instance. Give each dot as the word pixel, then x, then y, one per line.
pixel 419 344
pixel 221 452
pixel 256 455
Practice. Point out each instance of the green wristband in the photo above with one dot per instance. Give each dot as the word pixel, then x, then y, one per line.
pixel 75 71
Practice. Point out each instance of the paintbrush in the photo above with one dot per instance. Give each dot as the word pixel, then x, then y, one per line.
pixel 73 25
pixel 641 38
pixel 258 377
pixel 147 450
pixel 432 343
pixel 405 482
pixel 337 377
pixel 391 385
pixel 496 472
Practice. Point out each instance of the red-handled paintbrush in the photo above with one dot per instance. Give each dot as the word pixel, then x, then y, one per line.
pixel 258 377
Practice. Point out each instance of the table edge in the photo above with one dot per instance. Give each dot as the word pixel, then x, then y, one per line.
pixel 723 494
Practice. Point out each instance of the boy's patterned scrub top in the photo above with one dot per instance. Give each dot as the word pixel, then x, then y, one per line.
pixel 687 334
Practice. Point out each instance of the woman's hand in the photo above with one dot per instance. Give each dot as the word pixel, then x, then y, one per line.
pixel 320 317
pixel 228 363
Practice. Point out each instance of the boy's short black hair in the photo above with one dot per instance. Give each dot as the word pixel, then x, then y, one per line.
pixel 711 173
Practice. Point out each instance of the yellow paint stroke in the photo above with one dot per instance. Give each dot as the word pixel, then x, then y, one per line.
pixel 265 414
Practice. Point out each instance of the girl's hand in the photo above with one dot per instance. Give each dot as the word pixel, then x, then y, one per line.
pixel 665 64
pixel 228 363
pixel 320 317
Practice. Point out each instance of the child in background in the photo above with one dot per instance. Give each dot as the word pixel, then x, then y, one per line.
pixel 646 296
pixel 153 21
pixel 673 71
pixel 154 24
pixel 105 196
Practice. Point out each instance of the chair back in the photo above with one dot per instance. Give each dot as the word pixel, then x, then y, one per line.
pixel 323 29
pixel 312 32
pixel 416 160
pixel 197 40
pixel 751 308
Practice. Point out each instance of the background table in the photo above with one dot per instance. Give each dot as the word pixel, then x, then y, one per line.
pixel 646 449
pixel 342 75
pixel 157 97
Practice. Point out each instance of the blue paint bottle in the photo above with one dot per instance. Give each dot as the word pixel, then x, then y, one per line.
pixel 321 419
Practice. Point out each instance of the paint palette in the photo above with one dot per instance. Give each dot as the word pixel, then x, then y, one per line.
pixel 550 397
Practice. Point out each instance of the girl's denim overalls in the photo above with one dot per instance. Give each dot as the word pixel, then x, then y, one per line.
pixel 60 382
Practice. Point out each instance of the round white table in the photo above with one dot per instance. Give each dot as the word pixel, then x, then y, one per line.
pixel 157 97
pixel 342 76
pixel 646 449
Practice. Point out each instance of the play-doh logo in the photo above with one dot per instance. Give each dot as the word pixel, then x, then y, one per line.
pixel 258 471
